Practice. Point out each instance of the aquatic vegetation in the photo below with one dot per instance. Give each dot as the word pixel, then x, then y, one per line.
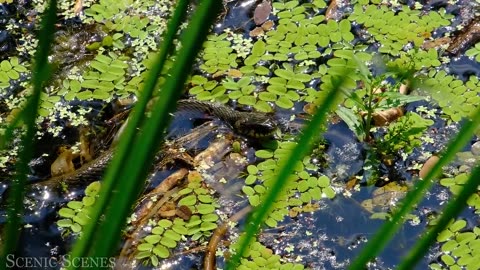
pixel 77 213
pixel 455 185
pixel 395 30
pixel 166 234
pixel 218 55
pixel 299 60
pixel 459 247
pixel 363 108
pixel 259 256
pixel 474 52
pixel 300 195
pixel 207 90
pixel 11 69
pixel 106 76
pixel 457 99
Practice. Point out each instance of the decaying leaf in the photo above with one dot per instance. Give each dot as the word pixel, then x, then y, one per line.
pixel 183 212
pixel 85 153
pixel 332 10
pixel 427 166
pixel 257 31
pixel 268 25
pixel 262 12
pixel 167 210
pixel 428 44
pixel 385 117
pixel 235 73
pixel 78 7
pixel 64 162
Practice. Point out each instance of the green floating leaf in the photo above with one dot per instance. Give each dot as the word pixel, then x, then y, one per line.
pixel 247 100
pixel 284 103
pixel 205 208
pixel 263 154
pixel 161 251
pixel 188 200
pixel 66 212
pixel 167 242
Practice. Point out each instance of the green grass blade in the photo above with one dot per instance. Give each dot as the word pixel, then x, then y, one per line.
pixel 450 211
pixel 287 165
pixel 386 232
pixel 136 167
pixel 126 144
pixel 41 74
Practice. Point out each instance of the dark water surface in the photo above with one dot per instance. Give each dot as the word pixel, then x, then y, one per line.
pixel 325 239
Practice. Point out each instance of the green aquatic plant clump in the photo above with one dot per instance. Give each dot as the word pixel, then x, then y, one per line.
pixel 260 257
pixel 460 247
pixel 10 70
pixel 303 191
pixel 455 185
pixel 76 214
pixel 218 54
pixel 167 234
pixel 457 99
pixel 395 30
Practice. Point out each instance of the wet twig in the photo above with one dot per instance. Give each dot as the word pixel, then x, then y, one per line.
pixel 209 262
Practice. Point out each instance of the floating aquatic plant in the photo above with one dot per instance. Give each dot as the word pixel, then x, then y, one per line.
pixel 460 247
pixel 260 257
pixel 204 89
pixel 166 234
pixel 303 189
pixel 10 70
pixel 455 185
pixel 474 52
pixel 456 98
pixel 395 30
pixel 218 54
pixel 77 213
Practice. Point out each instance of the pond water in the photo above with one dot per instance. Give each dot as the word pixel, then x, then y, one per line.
pixel 103 55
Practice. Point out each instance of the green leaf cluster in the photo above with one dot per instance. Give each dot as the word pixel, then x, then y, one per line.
pixel 107 9
pixel 417 59
pixel 202 204
pixel 135 26
pixel 114 40
pixel 107 74
pixel 474 52
pixel 344 59
pixel 167 234
pixel 456 98
pixel 403 135
pixel 260 257
pixel 394 30
pixel 77 213
pixel 455 185
pixel 300 33
pixel 460 248
pixel 10 69
pixel 207 90
pixel 303 188
pixel 164 236
pixel 47 104
pixel 245 93
pixel 218 55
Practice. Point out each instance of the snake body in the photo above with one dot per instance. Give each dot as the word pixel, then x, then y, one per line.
pixel 249 124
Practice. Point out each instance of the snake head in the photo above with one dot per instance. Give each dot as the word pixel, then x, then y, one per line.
pixel 256 125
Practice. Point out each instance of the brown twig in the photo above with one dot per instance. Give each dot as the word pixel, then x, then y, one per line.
pixel 209 262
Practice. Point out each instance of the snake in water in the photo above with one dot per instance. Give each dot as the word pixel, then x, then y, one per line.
pixel 249 124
